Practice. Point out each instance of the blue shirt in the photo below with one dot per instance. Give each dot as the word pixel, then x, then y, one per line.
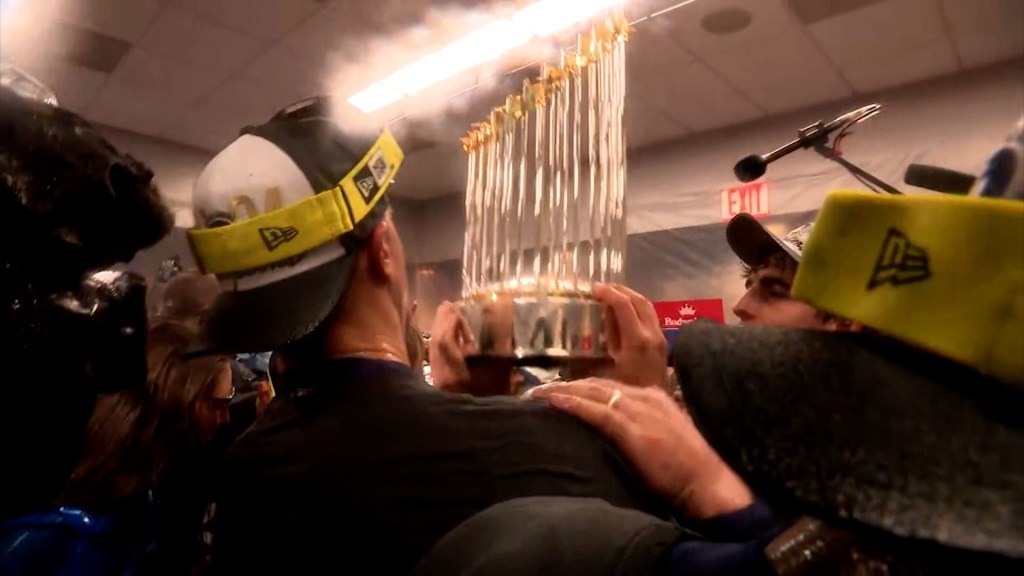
pixel 734 544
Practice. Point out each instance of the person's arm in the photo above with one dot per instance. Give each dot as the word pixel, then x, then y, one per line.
pixel 756 521
pixel 660 440
pixel 734 543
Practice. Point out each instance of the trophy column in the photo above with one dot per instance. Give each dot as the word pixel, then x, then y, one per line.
pixel 545 207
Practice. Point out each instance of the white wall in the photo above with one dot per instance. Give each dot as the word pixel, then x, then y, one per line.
pixel 955 122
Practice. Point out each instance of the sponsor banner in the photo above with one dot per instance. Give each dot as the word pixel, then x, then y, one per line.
pixel 675 313
pixel 678 312
pixel 751 198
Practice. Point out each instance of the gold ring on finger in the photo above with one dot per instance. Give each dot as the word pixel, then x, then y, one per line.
pixel 615 398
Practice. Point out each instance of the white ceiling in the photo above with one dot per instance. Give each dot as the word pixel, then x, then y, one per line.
pixel 196 71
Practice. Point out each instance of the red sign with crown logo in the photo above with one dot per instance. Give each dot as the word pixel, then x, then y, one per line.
pixel 674 314
pixel 678 312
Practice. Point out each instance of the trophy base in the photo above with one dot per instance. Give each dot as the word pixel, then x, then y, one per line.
pixel 537 329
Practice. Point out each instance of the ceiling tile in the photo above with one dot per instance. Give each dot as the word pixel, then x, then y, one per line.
pixel 875 48
pixel 185 59
pixel 280 67
pixel 696 97
pixel 393 31
pixel 21 54
pixel 201 69
pixel 323 34
pixel 879 31
pixel 182 83
pixel 902 68
pixel 279 95
pixel 637 9
pixel 123 19
pixel 771 21
pixel 76 87
pixel 144 111
pixel 217 119
pixel 29 35
pixel 646 125
pixel 654 51
pixel 773 62
pixel 243 101
pixel 177 38
pixel 376 18
pixel 267 19
pixel 986 31
pixel 812 11
pixel 786 76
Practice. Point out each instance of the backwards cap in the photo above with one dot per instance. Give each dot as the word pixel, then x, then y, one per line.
pixel 279 214
pixel 754 243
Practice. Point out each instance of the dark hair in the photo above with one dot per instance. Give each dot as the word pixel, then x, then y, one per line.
pixel 786 263
pixel 187 296
pixel 777 259
pixel 135 434
pixel 69 203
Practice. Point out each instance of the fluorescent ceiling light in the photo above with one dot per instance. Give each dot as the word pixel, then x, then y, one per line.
pixel 483 45
pixel 546 17
pixel 375 97
pixel 541 19
pixel 416 76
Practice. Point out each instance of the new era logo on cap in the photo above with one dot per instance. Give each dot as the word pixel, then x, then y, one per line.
pixel 900 262
pixel 367 186
pixel 373 176
pixel 275 237
pixel 797 237
pixel 379 168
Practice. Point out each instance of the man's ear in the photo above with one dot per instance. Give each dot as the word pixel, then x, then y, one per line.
pixel 380 257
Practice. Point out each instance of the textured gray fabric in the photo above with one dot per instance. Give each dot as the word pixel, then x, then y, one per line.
pixel 552 535
pixel 861 427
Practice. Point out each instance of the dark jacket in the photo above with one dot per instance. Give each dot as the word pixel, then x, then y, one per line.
pixel 567 536
pixel 371 466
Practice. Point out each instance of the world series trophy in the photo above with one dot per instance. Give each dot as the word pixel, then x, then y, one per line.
pixel 545 207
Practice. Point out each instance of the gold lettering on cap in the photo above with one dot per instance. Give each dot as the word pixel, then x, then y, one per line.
pixel 271 202
pixel 243 202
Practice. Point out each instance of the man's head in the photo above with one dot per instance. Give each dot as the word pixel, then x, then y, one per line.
pixel 293 219
pixel 372 316
pixel 386 266
pixel 186 297
pixel 769 267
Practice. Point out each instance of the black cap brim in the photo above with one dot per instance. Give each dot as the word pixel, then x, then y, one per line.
pixel 266 318
pixel 752 242
pixel 860 427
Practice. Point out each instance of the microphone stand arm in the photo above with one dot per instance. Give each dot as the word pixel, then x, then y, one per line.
pixel 829 153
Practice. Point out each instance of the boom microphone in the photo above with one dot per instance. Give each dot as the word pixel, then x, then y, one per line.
pixel 754 166
pixel 939 179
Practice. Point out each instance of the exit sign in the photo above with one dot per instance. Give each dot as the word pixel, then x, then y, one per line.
pixel 751 198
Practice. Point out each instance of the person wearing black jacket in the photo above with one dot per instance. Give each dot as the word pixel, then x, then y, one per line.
pixel 361 466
